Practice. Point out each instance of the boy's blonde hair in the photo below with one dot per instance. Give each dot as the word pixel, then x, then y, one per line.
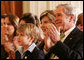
pixel 29 29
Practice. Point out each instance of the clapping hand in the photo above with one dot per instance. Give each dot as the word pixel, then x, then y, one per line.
pixel 53 33
pixel 52 36
pixel 9 47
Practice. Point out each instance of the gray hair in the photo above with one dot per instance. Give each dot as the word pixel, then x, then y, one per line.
pixel 69 9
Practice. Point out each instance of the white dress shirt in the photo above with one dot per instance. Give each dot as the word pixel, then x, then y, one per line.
pixel 67 33
pixel 30 49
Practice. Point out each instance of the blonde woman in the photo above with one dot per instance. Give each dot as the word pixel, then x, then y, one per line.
pixel 46 17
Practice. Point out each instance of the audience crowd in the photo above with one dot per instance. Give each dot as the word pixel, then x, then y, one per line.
pixel 52 36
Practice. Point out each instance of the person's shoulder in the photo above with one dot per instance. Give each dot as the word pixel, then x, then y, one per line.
pixel 36 49
pixel 37 53
pixel 77 31
pixel 77 34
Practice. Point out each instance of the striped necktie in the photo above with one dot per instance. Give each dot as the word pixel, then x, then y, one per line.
pixel 53 56
pixel 62 35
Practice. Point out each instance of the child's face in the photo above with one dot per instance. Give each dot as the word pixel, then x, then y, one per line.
pixel 23 39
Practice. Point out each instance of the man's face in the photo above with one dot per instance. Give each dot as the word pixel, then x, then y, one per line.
pixel 61 20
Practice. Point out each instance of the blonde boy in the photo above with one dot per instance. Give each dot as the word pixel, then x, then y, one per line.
pixel 27 36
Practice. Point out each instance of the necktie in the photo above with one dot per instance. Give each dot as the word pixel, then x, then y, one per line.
pixel 62 35
pixel 53 56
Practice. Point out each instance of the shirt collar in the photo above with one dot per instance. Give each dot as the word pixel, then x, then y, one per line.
pixel 30 49
pixel 70 30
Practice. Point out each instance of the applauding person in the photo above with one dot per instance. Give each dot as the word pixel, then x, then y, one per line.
pixel 70 46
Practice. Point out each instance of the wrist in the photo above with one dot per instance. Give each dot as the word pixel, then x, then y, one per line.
pixel 57 41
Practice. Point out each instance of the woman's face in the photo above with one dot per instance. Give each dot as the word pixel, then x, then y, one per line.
pixel 9 28
pixel 45 20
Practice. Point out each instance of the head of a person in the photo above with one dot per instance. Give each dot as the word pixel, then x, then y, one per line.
pixel 29 18
pixel 3 19
pixel 65 16
pixel 27 34
pixel 11 24
pixel 47 16
pixel 80 21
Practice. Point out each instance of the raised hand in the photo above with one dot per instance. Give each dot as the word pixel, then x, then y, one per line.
pixel 48 43
pixel 9 47
pixel 53 33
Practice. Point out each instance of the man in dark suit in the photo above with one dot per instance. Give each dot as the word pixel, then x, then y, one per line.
pixel 71 45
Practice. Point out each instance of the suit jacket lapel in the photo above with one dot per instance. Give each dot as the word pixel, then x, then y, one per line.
pixel 70 39
pixel 27 55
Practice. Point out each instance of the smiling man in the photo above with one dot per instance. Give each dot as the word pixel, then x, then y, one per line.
pixel 71 45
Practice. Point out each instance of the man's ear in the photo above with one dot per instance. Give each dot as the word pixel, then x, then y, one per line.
pixel 32 38
pixel 71 17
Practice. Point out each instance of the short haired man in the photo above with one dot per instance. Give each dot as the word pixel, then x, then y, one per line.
pixel 71 45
